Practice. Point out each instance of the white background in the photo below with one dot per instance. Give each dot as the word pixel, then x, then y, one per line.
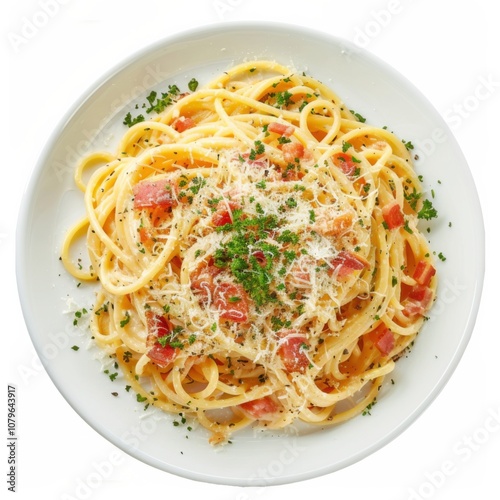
pixel 56 49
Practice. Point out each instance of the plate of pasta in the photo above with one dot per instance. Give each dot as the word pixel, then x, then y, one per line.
pixel 248 249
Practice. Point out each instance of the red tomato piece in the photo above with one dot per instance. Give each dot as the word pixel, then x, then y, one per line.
pixel 152 194
pixel 292 350
pixel 424 271
pixel 347 262
pixel 232 302
pixel 383 339
pixel 259 408
pixel 393 216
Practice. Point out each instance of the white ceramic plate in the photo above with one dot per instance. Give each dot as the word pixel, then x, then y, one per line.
pixel 52 203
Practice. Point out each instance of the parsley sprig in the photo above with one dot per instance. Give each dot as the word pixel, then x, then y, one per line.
pixel 156 103
pixel 249 258
pixel 427 211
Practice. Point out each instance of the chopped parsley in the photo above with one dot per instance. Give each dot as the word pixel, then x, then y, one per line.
pixel 283 99
pixel 259 150
pixel 156 103
pixel 427 211
pixel 125 320
pixel 360 118
pixel 251 259
pixel 129 121
pixel 408 145
pixel 193 84
pixel 367 410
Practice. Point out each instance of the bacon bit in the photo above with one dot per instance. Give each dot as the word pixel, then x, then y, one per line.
pixel 345 163
pixel 158 327
pixel 424 271
pixel 260 257
pixel 327 389
pixel 183 123
pixel 283 129
pixel 382 338
pixel 392 214
pixel 230 299
pixel 260 408
pixel 259 161
pixel 300 276
pixel 202 280
pixel 346 263
pixel 333 227
pixel 232 302
pixel 144 235
pixel 151 194
pixel 292 345
pixel 223 214
pixel 360 184
pixel 293 151
pixel 418 301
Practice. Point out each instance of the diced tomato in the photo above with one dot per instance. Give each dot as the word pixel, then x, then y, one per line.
pixel 232 302
pixel 347 262
pixel 158 327
pixel 393 216
pixel 151 194
pixel 223 214
pixel 345 163
pixel 424 271
pixel 281 129
pixel 259 408
pixel 292 350
pixel 418 301
pixel 382 338
pixel 183 123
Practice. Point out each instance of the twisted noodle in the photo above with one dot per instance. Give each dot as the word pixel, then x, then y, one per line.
pixel 250 265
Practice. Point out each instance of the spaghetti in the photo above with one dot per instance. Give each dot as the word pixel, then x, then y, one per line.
pixel 257 250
